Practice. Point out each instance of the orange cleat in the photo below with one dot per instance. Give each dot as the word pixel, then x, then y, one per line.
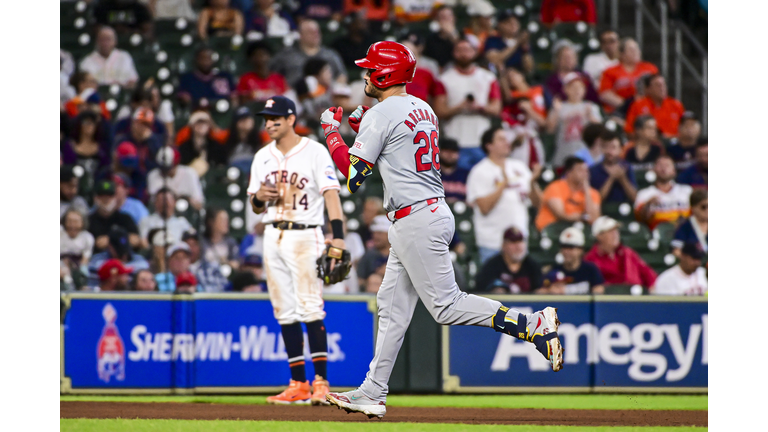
pixel 319 390
pixel 297 393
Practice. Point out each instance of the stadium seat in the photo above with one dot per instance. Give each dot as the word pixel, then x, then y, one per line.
pixel 622 289
pixel 622 212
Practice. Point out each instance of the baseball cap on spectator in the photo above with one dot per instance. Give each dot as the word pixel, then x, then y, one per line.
pixel 513 234
pixel 413 38
pixel 688 115
pixel 186 278
pixel 118 239
pixel 112 267
pixel 121 179
pixel 448 144
pixel 692 250
pixel 505 14
pixel 180 246
pixel 252 260
pixel 554 276
pixel 168 157
pixel 199 116
pixel 66 174
pixel 603 224
pixel 572 236
pixel 380 224
pixel 243 112
pixel 570 77
pixel 104 187
pixel 189 235
pixel 127 155
pixel 481 8
pixel 278 106
pixel 144 115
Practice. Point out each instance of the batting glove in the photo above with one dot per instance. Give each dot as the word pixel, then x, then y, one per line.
pixel 331 120
pixel 356 117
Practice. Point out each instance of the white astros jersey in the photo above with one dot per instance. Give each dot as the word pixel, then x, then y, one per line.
pixel 301 176
pixel 399 136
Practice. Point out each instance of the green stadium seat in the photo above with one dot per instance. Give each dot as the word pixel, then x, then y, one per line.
pixel 622 289
pixel 622 212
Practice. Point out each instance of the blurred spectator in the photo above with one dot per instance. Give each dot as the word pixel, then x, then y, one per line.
pixel 186 283
pixel 118 247
pixel 481 14
pixel 76 243
pixel 182 180
pixel 686 278
pixel 113 276
pixel 267 19
pixel 613 176
pixel 498 189
pixel 107 63
pixel 144 281
pixel 439 45
pixel 524 112
pixel 208 273
pixel 554 12
pixel 250 277
pixel 645 149
pixel 89 147
pixel 593 152
pixel 570 198
pixel 373 283
pixel 664 200
pixel 216 133
pixel 217 245
pixel 596 63
pixel 178 261
pixel 260 84
pixel 244 140
pixel 314 90
pixel 472 97
pixel 125 16
pixel 666 110
pixel 66 69
pixel 697 174
pixel 454 178
pixel 408 11
pixel 171 9
pixel 204 81
pixel 329 9
pixel 511 47
pixel 618 263
pixel 107 216
pixel 512 271
pixel 695 229
pixel 574 275
pixel 143 138
pixel 201 150
pixel 135 208
pixel 354 45
pixel 619 83
pixel 125 160
pixel 253 242
pixel 219 20
pixel 290 61
pixel 376 256
pixel 165 218
pixel 80 81
pixel 565 63
pixel 683 147
pixel 147 96
pixel 68 185
pixel 569 118
pixel 88 101
pixel 372 207
pixel 425 84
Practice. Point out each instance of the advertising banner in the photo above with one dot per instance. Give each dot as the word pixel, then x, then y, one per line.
pixel 200 342
pixel 611 343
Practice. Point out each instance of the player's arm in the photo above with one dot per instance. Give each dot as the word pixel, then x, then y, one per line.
pixel 333 205
pixel 352 167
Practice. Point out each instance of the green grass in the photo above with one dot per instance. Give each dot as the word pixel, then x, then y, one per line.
pixel 123 425
pixel 575 401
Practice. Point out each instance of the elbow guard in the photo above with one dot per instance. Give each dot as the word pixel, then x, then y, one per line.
pixel 358 171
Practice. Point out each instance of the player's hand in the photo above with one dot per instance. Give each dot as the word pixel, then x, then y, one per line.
pixel 338 243
pixel 267 193
pixel 331 120
pixel 357 116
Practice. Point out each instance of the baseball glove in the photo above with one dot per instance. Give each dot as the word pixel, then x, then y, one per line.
pixel 340 269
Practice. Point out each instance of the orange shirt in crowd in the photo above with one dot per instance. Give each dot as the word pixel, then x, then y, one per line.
pixel 536 95
pixel 374 11
pixel 623 82
pixel 573 201
pixel 667 114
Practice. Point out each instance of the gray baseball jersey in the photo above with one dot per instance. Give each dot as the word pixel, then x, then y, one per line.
pixel 399 136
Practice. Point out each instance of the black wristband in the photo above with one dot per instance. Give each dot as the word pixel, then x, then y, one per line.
pixel 256 202
pixel 337 226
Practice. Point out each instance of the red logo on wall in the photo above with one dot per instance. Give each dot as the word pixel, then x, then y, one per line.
pixel 110 350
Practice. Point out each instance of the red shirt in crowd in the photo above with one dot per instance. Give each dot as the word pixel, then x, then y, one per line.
pixel 568 11
pixel 625 267
pixel 667 114
pixel 256 88
pixel 622 81
pixel 425 85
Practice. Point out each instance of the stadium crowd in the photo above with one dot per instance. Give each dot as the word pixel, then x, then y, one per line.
pixel 568 175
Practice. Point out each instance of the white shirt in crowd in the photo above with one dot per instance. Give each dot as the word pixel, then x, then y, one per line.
pixel 674 202
pixel 175 226
pixel 186 182
pixel 512 207
pixel 165 9
pixel 595 64
pixel 467 129
pixel 674 281
pixel 118 68
pixel 81 244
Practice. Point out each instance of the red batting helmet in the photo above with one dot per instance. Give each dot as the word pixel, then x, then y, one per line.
pixel 393 63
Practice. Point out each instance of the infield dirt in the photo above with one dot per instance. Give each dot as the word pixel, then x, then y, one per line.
pixel 198 411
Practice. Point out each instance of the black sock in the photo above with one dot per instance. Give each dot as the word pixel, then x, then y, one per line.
pixel 318 346
pixel 293 337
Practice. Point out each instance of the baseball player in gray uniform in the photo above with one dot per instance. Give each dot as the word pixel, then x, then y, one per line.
pixel 399 137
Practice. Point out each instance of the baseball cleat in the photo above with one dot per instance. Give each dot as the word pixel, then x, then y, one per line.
pixel 319 390
pixel 549 346
pixel 356 401
pixel 297 393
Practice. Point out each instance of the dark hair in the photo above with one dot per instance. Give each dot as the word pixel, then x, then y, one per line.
pixel 165 190
pixel 135 280
pixel 702 141
pixel 571 162
pixel 258 45
pixel 591 133
pixel 664 156
pixel 649 79
pixel 77 78
pixel 99 135
pixel 607 30
pixel 253 139
pixel 487 137
pixel 697 196
pixel 641 121
pixel 609 135
pixel 314 66
pixel 210 217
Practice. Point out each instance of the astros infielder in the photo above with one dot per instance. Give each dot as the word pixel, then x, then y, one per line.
pixel 399 137
pixel 291 178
